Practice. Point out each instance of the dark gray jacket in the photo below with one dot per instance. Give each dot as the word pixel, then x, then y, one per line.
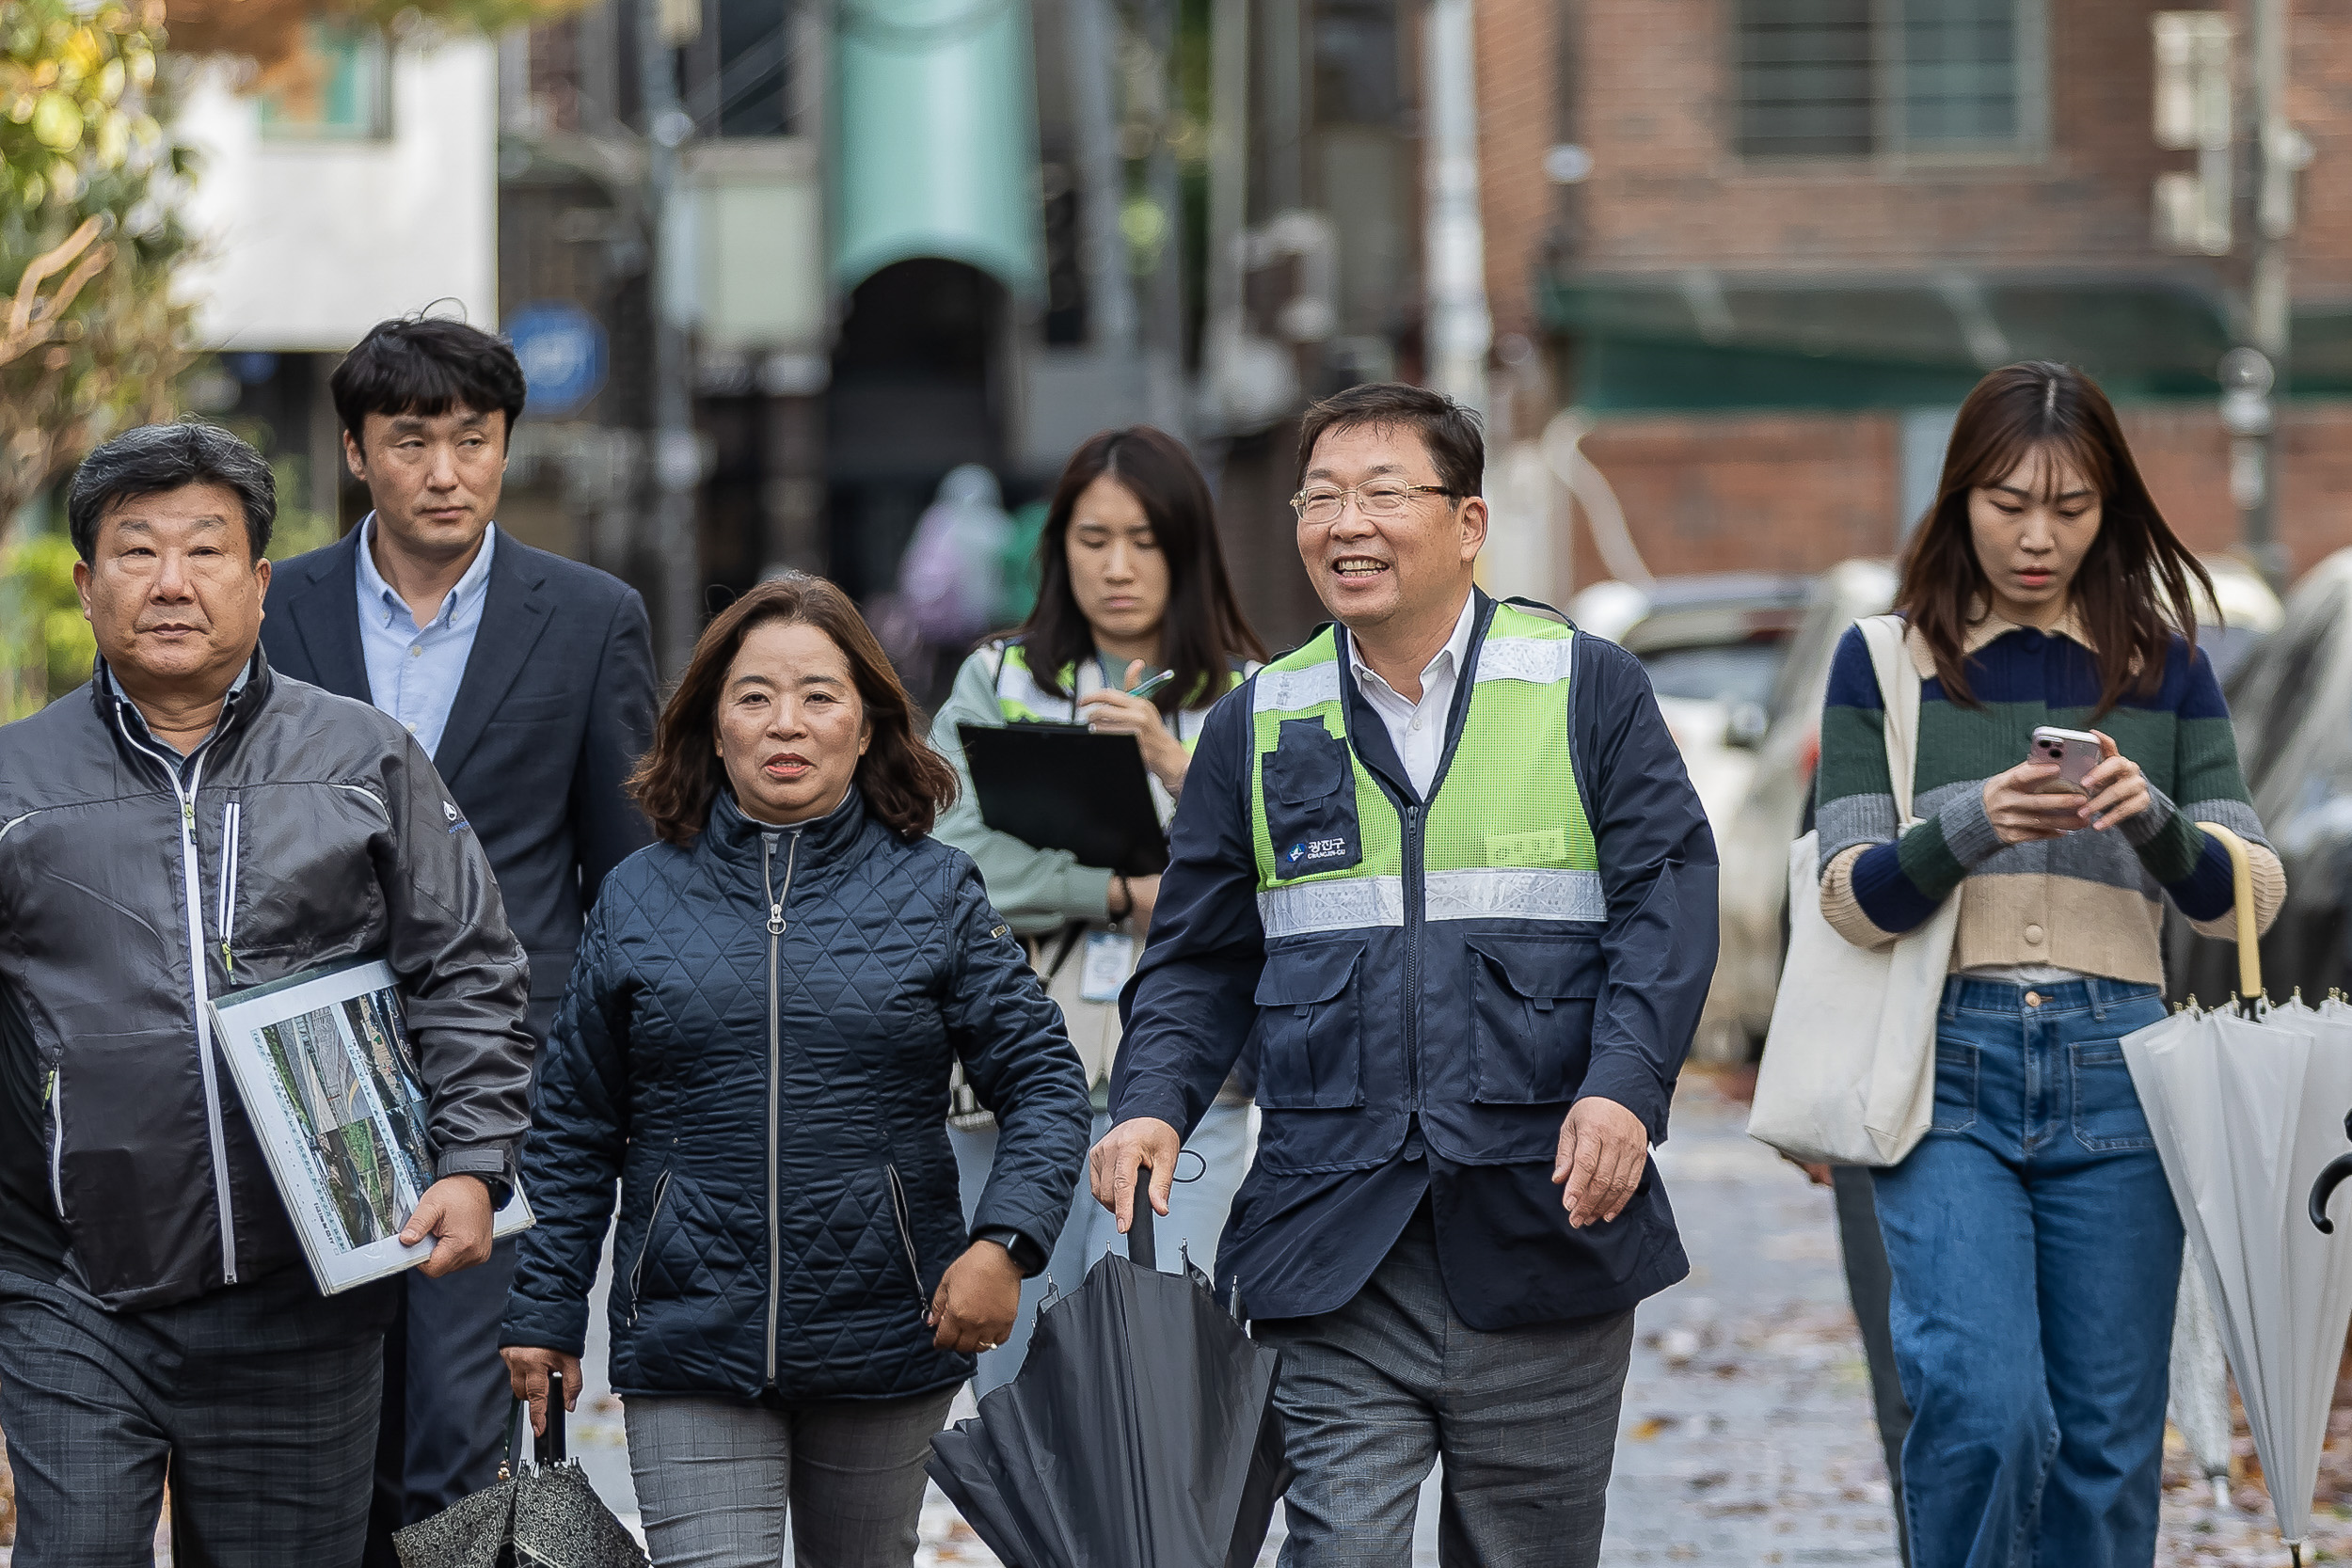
pixel 344 845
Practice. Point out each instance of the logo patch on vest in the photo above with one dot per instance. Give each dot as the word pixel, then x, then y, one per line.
pixel 1306 852
pixel 1542 847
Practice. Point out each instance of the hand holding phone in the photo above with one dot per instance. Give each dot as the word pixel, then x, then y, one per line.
pixel 2075 751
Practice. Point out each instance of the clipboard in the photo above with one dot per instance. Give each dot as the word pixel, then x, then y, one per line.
pixel 1062 787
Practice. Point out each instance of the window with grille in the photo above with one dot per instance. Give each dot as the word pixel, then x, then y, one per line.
pixel 1851 78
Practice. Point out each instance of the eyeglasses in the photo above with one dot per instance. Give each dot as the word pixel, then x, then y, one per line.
pixel 1381 498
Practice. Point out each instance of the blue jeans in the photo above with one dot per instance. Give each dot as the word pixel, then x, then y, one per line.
pixel 1196 1218
pixel 2036 1256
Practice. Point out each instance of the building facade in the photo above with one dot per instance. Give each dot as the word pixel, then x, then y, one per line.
pixel 1763 247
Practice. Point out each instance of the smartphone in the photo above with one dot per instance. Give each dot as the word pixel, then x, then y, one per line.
pixel 2076 752
pixel 1152 684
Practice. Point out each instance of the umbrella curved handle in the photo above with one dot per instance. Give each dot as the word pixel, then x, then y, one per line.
pixel 1142 1249
pixel 2249 952
pixel 2337 1171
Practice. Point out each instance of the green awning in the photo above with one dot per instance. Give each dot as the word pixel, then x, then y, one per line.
pixel 1701 339
pixel 934 144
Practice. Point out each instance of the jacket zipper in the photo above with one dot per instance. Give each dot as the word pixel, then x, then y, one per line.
pixel 231 829
pixel 201 989
pixel 1413 901
pixel 637 1273
pixel 57 1143
pixel 776 1073
pixel 906 1236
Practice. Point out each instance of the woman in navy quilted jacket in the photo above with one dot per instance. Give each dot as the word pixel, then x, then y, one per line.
pixel 756 1044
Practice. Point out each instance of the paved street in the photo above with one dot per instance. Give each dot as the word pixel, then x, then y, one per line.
pixel 1747 1435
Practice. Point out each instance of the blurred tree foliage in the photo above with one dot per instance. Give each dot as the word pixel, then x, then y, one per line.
pixel 92 339
pixel 89 235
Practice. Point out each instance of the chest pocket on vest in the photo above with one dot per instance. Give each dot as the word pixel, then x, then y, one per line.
pixel 1310 802
pixel 1532 1016
pixel 1311 1028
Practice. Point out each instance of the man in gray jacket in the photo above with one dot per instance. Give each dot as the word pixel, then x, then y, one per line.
pixel 187 825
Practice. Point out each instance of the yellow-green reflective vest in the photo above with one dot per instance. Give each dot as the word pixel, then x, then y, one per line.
pixel 1436 957
pixel 1023 701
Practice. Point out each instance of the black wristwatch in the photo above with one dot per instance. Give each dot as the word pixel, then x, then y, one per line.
pixel 1026 1255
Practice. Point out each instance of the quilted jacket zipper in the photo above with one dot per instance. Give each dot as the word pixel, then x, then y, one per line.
pixel 906 1235
pixel 637 1273
pixel 201 990
pixel 776 1073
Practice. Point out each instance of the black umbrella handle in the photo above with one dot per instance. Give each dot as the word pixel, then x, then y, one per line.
pixel 1142 1250
pixel 2324 1188
pixel 551 1441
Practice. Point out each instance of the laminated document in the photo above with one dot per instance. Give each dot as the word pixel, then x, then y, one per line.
pixel 329 1082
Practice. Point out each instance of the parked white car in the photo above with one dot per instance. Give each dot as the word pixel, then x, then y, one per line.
pixel 1715 648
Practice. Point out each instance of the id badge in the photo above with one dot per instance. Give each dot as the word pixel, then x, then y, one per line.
pixel 1110 958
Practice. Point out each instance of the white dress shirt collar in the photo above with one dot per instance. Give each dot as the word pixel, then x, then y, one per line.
pixel 1416 729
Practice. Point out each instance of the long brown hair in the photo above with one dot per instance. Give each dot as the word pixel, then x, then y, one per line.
pixel 905 783
pixel 2137 584
pixel 1202 631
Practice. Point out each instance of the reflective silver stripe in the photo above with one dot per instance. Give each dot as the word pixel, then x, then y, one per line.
pixel 1542 660
pixel 1507 893
pixel 1297 690
pixel 1015 685
pixel 1353 903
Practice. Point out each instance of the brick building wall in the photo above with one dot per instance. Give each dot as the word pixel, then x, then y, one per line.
pixel 1648 88
pixel 2319 103
pixel 1654 106
pixel 1799 492
pixel 1518 61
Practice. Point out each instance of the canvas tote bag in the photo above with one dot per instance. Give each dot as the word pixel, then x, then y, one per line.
pixel 1848 1070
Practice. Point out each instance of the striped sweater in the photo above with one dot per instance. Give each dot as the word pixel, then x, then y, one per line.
pixel 2089 901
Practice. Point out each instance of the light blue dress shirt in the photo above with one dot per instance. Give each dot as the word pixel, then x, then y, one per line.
pixel 413 670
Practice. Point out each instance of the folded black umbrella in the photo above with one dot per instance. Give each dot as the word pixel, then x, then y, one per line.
pixel 547 1516
pixel 1140 1432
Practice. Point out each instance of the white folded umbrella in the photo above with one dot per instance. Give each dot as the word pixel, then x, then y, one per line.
pixel 2246 1106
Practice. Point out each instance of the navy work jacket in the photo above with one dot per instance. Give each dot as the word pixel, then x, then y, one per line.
pixel 1300 1241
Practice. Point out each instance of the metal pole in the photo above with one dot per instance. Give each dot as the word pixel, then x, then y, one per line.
pixel 677 454
pixel 1165 336
pixel 1228 198
pixel 1102 183
pixel 1460 329
pixel 2255 449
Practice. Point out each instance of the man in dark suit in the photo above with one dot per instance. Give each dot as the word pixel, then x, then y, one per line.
pixel 528 679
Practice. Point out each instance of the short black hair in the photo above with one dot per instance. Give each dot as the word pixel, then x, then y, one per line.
pixel 426 365
pixel 1448 430
pixel 158 457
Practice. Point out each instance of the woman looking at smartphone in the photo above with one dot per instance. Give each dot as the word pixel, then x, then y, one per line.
pixel 1132 586
pixel 2034 1245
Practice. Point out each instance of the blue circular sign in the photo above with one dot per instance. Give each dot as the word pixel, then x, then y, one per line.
pixel 562 348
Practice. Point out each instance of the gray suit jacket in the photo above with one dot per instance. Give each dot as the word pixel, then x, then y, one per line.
pixel 555 707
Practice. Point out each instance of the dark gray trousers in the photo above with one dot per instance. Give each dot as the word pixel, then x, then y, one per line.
pixel 257 1402
pixel 1373 1394
pixel 720 1482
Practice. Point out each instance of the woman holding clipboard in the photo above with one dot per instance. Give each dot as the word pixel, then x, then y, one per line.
pixel 1135 632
